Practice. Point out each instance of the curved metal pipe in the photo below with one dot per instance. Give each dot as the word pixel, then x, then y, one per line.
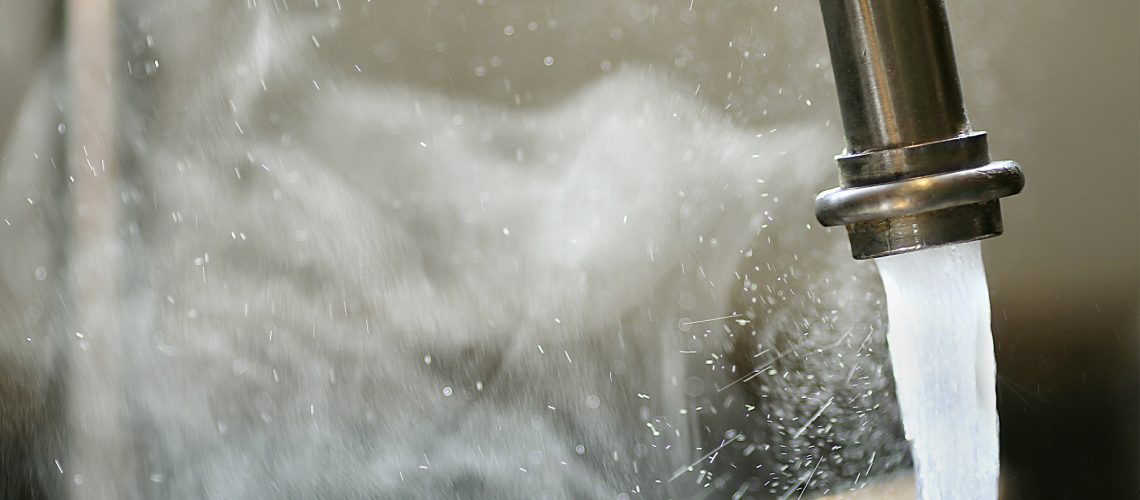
pixel 904 119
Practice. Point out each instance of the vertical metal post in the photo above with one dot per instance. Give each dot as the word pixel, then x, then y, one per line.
pixel 100 464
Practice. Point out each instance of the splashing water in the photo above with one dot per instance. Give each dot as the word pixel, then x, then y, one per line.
pixel 942 351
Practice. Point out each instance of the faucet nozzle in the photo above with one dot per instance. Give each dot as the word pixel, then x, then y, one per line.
pixel 915 175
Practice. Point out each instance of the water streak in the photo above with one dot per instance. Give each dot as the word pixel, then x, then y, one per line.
pixel 942 351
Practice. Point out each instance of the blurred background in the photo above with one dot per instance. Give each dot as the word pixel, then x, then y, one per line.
pixel 1059 90
pixel 1056 83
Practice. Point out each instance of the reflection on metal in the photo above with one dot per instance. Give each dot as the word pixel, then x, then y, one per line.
pixel 914 175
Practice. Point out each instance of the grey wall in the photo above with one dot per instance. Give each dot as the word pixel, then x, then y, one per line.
pixel 1056 84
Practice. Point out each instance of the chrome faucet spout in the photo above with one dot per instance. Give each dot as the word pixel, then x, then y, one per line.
pixel 914 174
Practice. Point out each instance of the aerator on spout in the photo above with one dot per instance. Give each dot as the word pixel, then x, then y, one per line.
pixel 914 175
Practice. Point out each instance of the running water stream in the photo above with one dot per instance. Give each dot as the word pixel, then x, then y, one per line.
pixel 942 351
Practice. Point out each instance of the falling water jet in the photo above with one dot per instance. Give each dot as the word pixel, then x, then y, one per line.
pixel 942 351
